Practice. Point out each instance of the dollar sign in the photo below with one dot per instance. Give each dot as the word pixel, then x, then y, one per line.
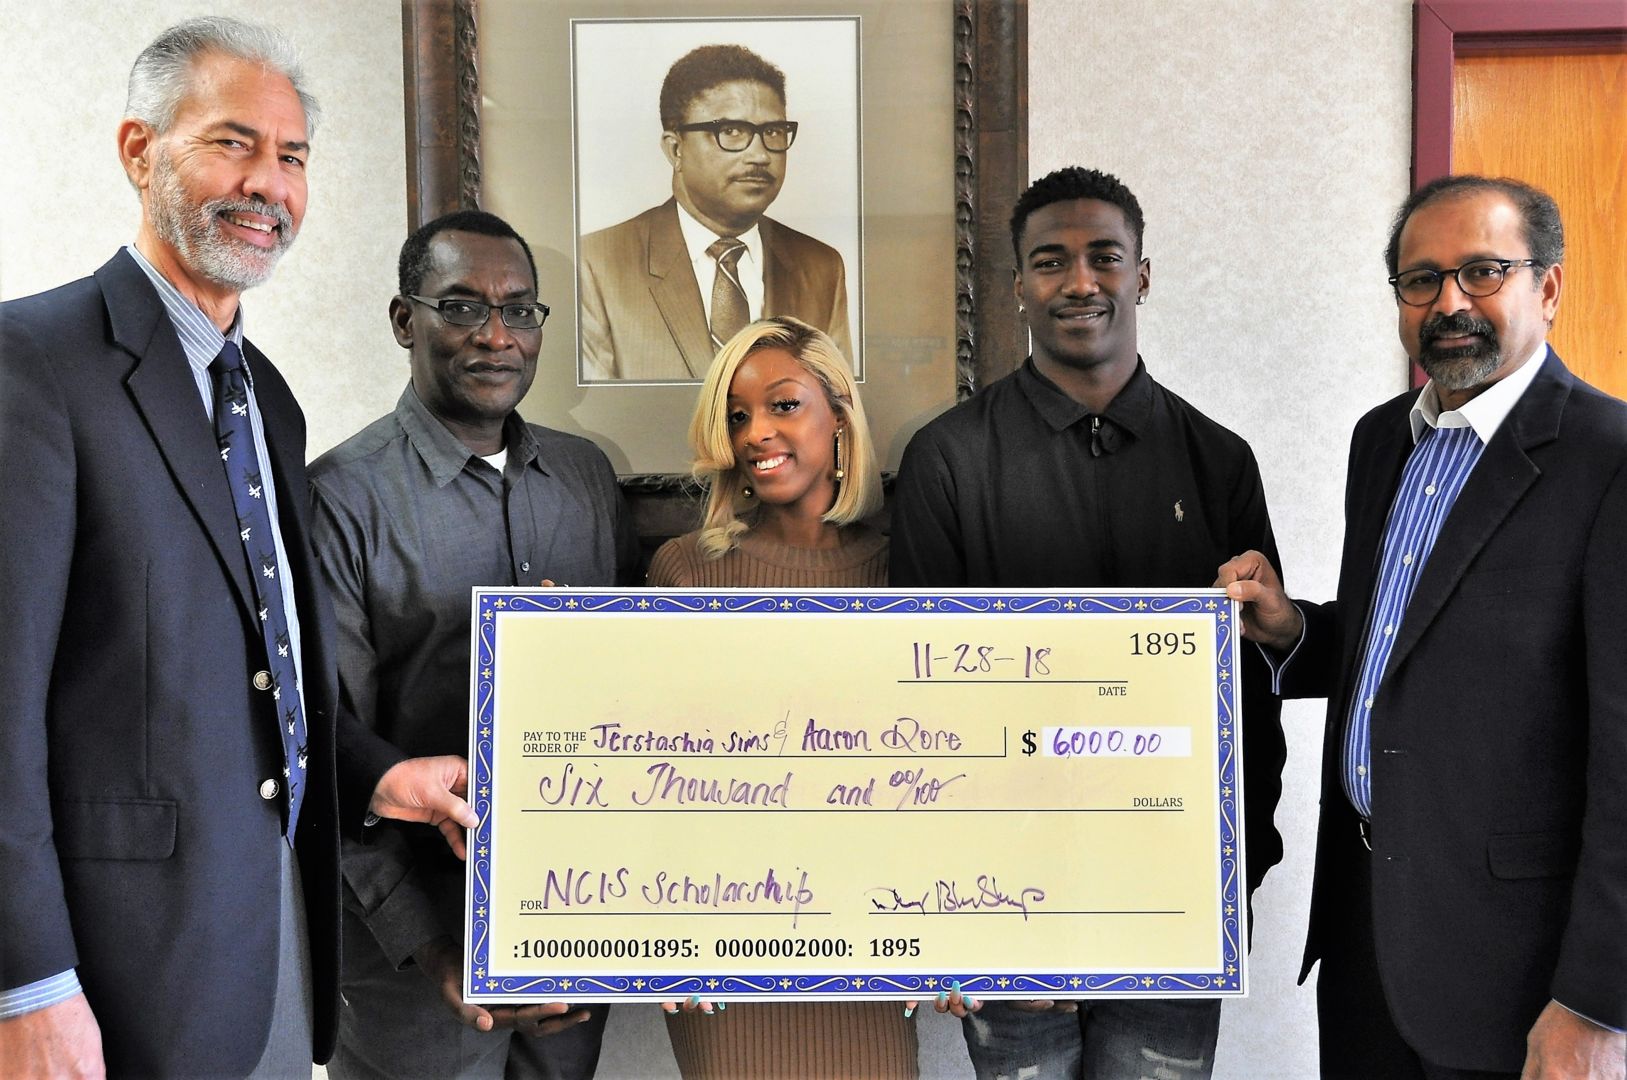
pixel 1028 743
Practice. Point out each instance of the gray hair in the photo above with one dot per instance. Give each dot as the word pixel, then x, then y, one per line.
pixel 162 75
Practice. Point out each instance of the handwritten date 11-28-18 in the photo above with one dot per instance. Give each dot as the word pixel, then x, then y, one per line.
pixel 937 661
pixel 930 660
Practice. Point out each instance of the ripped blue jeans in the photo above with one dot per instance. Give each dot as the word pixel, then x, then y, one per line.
pixel 1148 1039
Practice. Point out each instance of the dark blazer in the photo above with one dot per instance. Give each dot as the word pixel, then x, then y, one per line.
pixel 134 844
pixel 1499 733
pixel 641 311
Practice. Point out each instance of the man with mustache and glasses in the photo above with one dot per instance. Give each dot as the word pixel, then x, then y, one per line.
pixel 1470 900
pixel 450 491
pixel 662 292
pixel 175 777
pixel 1078 470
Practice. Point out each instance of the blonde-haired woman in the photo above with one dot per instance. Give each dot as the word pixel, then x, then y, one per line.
pixel 780 440
pixel 781 444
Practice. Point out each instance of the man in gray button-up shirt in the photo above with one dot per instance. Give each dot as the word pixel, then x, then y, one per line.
pixel 451 490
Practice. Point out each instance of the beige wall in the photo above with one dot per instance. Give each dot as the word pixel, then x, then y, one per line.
pixel 65 205
pixel 1266 139
pixel 1268 142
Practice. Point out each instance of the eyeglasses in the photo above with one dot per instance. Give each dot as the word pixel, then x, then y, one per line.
pixel 1482 277
pixel 735 135
pixel 461 312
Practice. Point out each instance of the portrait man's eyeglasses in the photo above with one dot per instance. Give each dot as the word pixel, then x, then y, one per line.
pixel 460 312
pixel 735 135
pixel 1482 277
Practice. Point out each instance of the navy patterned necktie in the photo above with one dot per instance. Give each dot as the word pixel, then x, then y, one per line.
pixel 729 310
pixel 236 439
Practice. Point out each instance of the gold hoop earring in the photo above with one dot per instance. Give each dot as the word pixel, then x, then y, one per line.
pixel 841 473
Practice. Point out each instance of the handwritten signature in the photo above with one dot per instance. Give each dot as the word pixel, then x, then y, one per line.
pixel 951 897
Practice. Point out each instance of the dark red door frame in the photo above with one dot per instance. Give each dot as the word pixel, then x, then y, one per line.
pixel 1442 29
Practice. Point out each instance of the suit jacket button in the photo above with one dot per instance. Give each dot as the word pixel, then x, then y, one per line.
pixel 262 681
pixel 268 789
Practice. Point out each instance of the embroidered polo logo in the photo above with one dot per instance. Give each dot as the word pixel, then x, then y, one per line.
pixel 1180 515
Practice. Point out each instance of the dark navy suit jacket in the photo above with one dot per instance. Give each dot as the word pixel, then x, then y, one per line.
pixel 1499 732
pixel 134 843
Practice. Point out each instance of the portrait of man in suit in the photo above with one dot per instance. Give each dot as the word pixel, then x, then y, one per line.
pixel 661 291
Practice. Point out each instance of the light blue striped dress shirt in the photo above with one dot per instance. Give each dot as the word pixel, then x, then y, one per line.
pixel 1436 470
pixel 1446 446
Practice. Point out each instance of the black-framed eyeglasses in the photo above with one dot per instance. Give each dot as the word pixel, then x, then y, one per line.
pixel 527 315
pixel 1481 277
pixel 735 135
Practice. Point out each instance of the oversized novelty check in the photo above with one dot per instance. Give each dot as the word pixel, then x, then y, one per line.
pixel 839 795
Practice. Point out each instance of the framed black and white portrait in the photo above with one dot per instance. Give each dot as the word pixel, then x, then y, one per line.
pixel 742 137
pixel 550 116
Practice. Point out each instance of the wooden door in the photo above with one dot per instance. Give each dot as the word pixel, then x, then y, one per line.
pixel 1558 119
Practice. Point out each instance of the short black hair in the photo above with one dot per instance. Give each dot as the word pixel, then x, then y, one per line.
pixel 414 262
pixel 1074 182
pixel 699 70
pixel 1544 232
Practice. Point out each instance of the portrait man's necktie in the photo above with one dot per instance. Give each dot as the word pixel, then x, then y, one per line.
pixel 729 310
pixel 236 440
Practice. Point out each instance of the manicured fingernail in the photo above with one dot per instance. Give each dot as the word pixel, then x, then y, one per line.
pixel 696 1000
pixel 722 1006
pixel 909 1011
pixel 971 1003
pixel 943 996
pixel 955 986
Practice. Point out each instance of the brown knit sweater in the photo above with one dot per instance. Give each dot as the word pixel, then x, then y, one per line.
pixel 759 563
pixel 815 1040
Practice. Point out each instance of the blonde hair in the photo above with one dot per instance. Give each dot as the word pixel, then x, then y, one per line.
pixel 858 494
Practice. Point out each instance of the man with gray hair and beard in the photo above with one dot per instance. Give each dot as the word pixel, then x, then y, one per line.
pixel 175 777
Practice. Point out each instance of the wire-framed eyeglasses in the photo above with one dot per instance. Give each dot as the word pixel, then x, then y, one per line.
pixel 527 315
pixel 1481 277
pixel 735 135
